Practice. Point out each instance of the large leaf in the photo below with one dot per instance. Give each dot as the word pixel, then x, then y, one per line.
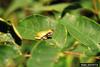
pixel 43 55
pixel 84 30
pixel 46 53
pixel 30 26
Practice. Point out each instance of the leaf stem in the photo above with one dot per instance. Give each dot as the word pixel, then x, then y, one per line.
pixel 79 54
pixel 95 7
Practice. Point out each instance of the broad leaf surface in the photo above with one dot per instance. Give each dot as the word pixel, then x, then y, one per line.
pixel 45 53
pixel 30 26
pixel 84 30
pixel 7 54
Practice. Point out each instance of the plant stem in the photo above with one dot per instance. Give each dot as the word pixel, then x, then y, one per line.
pixel 95 7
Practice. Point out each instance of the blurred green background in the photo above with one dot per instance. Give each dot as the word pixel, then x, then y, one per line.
pixel 76 49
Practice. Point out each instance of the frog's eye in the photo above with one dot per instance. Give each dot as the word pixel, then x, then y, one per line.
pixel 50 33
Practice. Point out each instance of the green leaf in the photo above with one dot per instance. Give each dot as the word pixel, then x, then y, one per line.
pixel 16 4
pixel 70 42
pixel 7 53
pixel 84 30
pixel 6 37
pixel 30 26
pixel 27 45
pixel 45 53
pixel 9 50
pixel 61 62
pixel 88 4
pixel 60 35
